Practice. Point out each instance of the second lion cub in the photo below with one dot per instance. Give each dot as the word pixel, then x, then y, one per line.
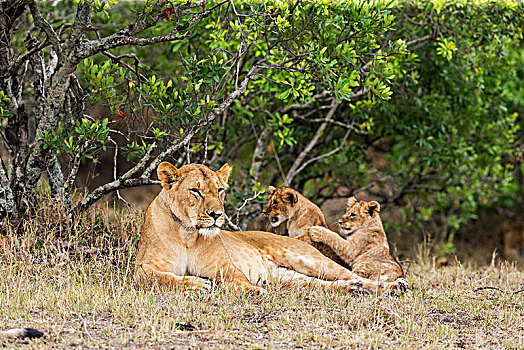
pixel 366 249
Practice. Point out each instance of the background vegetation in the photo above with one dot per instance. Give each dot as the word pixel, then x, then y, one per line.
pixel 417 104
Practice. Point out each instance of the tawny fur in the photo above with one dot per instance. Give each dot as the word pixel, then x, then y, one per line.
pixel 366 249
pixel 287 204
pixel 181 243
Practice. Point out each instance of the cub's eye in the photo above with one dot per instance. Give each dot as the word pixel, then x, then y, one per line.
pixel 220 190
pixel 352 215
pixel 275 203
pixel 196 192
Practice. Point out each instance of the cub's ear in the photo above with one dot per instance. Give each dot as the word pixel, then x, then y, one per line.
pixel 351 201
pixel 292 198
pixel 373 208
pixel 167 174
pixel 224 172
pixel 271 189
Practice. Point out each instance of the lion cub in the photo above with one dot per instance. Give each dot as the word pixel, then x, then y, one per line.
pixel 286 204
pixel 366 249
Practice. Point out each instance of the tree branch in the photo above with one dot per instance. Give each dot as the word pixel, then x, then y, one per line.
pixel 47 28
pixel 420 40
pixel 126 36
pixel 76 165
pixel 90 49
pixel 258 153
pixel 293 171
pixel 325 155
pixel 309 104
pixel 7 201
pixel 110 187
pixel 82 22
pixel 56 182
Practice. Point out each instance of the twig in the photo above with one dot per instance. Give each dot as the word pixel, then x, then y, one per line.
pixel 118 195
pixel 406 262
pixel 497 289
pixel 118 59
pixel 206 139
pixel 282 173
pixel 420 40
pixel 245 203
pixel 331 121
pixel 325 155
pixel 231 224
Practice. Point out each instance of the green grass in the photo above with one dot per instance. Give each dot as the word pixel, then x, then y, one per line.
pixel 87 297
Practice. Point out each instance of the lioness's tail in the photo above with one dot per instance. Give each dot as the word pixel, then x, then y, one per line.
pixel 21 333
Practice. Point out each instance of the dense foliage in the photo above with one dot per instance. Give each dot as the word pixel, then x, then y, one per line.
pixel 415 103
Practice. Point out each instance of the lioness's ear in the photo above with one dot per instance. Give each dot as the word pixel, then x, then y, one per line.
pixel 373 208
pixel 351 201
pixel 167 174
pixel 292 198
pixel 224 172
pixel 271 189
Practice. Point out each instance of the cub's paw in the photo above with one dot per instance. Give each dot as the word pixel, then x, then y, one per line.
pixel 401 285
pixel 316 233
pixel 398 287
pixel 197 283
pixel 256 291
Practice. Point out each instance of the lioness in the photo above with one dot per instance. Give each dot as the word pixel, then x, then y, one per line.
pixel 366 249
pixel 181 243
pixel 287 204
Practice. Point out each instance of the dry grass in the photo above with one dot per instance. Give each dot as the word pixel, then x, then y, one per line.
pixel 86 297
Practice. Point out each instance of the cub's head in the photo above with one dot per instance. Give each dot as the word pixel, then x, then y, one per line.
pixel 280 204
pixel 196 195
pixel 357 214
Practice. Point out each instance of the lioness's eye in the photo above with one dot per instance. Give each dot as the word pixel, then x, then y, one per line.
pixel 195 191
pixel 220 190
pixel 275 202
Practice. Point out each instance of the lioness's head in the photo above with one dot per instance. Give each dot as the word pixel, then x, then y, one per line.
pixel 357 214
pixel 280 204
pixel 196 195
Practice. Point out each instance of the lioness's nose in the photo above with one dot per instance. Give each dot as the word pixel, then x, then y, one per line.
pixel 214 215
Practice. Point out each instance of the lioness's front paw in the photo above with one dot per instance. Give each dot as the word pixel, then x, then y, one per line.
pixel 315 233
pixel 197 283
pixel 351 286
